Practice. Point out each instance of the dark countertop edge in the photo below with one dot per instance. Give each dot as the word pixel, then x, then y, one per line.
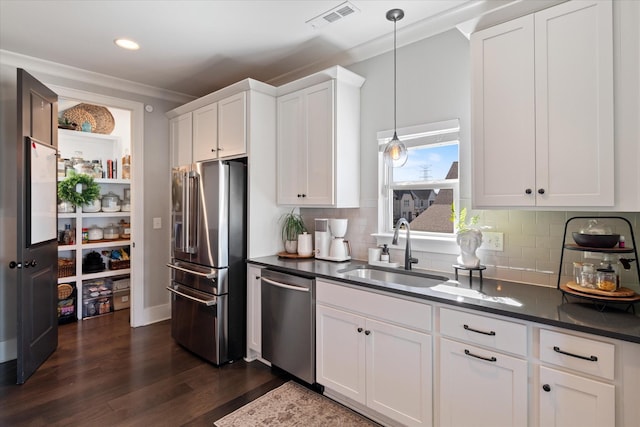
pixel 594 330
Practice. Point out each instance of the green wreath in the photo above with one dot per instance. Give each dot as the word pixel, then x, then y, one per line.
pixel 67 189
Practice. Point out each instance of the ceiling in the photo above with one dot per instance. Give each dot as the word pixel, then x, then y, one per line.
pixel 197 47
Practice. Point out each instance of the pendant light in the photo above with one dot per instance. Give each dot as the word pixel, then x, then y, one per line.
pixel 395 153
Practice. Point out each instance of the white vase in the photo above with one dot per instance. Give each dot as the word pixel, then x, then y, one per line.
pixel 469 241
pixel 291 246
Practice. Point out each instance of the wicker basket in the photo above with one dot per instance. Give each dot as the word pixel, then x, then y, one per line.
pixel 64 291
pixel 66 267
pixel 79 116
pixel 119 264
pixel 104 120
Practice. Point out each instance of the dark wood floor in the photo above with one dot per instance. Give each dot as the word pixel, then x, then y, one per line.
pixel 105 373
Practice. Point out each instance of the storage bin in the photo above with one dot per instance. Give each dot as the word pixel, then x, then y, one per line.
pixel 121 283
pixel 66 267
pixel 121 300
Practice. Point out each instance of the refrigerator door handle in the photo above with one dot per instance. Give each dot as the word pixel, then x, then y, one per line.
pixel 191 244
pixel 195 273
pixel 184 211
pixel 207 302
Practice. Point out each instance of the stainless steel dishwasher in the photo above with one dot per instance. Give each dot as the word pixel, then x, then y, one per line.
pixel 288 323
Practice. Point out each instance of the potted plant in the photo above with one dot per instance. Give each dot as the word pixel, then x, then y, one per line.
pixel 292 225
pixel 469 239
pixel 68 190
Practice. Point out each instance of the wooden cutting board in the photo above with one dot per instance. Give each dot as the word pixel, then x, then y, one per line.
pixel 619 293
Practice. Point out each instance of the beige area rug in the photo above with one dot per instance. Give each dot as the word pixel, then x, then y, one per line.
pixel 293 405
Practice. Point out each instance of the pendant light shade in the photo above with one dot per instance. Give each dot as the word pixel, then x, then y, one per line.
pixel 395 153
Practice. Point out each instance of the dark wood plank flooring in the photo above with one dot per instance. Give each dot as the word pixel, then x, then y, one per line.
pixel 105 373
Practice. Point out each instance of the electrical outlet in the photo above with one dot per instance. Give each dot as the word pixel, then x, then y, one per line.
pixel 493 241
pixel 157 223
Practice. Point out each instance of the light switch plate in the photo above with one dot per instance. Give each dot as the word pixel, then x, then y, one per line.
pixel 157 223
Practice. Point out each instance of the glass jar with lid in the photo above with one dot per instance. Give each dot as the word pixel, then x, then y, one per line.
pixel 111 232
pixel 111 202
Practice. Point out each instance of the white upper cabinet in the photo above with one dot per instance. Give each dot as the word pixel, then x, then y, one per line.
pixel 205 132
pixel 542 104
pixel 212 131
pixel 232 125
pixel 181 135
pixel 318 144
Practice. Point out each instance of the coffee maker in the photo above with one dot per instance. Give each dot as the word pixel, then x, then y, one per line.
pixel 330 243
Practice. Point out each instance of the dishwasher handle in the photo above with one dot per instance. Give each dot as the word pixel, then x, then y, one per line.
pixel 284 285
pixel 208 302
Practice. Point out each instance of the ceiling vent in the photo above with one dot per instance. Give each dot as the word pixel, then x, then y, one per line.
pixel 343 10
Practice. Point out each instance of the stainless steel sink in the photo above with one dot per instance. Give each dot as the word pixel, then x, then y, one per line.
pixel 393 276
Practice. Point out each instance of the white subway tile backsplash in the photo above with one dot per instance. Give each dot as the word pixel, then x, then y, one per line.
pixel 532 242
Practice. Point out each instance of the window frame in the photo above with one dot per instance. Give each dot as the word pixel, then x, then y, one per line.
pixel 415 136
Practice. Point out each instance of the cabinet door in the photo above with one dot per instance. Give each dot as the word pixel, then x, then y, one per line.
pixel 254 322
pixel 503 143
pixel 574 104
pixel 232 126
pixel 399 373
pixel 180 131
pixel 205 133
pixel 477 390
pixel 291 150
pixel 340 352
pixel 320 131
pixel 571 400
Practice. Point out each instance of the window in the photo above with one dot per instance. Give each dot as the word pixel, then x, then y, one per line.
pixel 423 190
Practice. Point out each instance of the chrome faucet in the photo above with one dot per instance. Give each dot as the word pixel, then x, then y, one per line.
pixel 407 251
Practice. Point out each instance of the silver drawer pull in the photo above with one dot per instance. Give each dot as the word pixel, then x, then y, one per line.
pixel 208 303
pixel 488 359
pixel 589 358
pixel 197 273
pixel 492 333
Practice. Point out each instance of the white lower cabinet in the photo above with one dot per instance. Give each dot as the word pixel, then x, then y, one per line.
pixel 480 387
pixel 568 396
pixel 382 366
pixel 479 384
pixel 254 312
pixel 572 400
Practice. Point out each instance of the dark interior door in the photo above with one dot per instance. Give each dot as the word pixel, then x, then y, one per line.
pixel 37 259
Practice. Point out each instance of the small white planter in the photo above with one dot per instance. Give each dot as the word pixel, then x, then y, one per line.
pixel 469 241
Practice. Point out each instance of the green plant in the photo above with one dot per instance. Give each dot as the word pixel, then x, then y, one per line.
pixel 292 225
pixel 67 189
pixel 459 220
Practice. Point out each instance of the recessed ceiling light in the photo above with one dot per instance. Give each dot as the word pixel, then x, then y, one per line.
pixel 127 44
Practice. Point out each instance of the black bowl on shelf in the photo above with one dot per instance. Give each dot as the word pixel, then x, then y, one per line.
pixel 596 240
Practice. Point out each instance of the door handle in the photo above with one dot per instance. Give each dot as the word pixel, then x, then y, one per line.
pixel 478 331
pixel 196 273
pixel 14 264
pixel 208 303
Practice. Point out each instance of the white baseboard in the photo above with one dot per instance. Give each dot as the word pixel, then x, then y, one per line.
pixel 155 314
pixel 8 350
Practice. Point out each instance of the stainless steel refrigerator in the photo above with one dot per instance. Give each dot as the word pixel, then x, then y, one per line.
pixel 209 249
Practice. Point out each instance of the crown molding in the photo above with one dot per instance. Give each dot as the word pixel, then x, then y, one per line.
pixel 37 65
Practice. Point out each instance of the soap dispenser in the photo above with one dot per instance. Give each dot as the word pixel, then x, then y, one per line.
pixel 384 256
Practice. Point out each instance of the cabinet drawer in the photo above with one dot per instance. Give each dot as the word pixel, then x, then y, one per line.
pixel 477 329
pixel 394 310
pixel 581 354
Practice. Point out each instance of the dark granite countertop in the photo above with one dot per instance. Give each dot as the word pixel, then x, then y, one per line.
pixel 528 302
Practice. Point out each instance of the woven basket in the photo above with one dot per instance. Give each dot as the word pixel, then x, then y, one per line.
pixel 66 267
pixel 119 264
pixel 104 120
pixel 79 116
pixel 64 291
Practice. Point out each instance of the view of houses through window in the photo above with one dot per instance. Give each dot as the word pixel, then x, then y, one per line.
pixel 423 190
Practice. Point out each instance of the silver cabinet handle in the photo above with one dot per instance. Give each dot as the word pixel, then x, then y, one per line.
pixel 197 273
pixel 282 285
pixel 208 303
